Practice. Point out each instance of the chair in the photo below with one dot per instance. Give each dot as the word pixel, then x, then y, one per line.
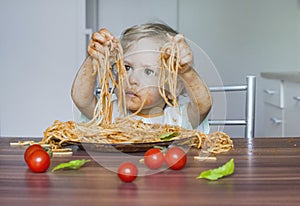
pixel 249 120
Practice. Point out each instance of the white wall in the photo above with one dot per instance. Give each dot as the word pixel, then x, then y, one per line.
pixel 244 37
pixel 40 51
pixel 116 15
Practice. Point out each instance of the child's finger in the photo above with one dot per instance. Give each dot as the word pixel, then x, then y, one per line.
pixel 108 36
pixel 98 47
pixel 95 49
pixel 98 37
pixel 187 59
pixel 178 38
pixel 186 56
pixel 103 36
pixel 93 53
pixel 167 52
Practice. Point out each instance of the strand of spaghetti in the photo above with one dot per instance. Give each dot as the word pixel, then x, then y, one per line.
pixel 169 72
pixel 140 109
pixel 98 111
pixel 106 96
pixel 175 73
pixel 103 110
pixel 122 78
pixel 173 70
pixel 162 78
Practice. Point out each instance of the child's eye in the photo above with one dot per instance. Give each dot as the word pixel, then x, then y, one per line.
pixel 128 68
pixel 149 72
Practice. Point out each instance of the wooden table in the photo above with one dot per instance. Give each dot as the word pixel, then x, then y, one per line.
pixel 267 172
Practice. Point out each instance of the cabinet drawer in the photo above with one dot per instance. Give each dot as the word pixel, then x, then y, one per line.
pixel 273 121
pixel 292 109
pixel 292 93
pixel 273 93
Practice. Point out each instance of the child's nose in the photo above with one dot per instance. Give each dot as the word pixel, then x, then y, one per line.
pixel 133 78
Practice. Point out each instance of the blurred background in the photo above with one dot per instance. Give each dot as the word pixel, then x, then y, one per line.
pixel 43 43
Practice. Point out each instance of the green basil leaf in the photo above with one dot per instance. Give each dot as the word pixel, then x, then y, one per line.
pixel 222 171
pixel 168 135
pixel 74 164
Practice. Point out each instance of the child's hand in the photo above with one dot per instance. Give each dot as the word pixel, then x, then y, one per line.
pixel 101 39
pixel 185 52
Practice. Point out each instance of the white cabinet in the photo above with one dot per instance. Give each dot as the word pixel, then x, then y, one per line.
pixel 273 121
pixel 273 108
pixel 292 109
pixel 273 93
pixel 281 108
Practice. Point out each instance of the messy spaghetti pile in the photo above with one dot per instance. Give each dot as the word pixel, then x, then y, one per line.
pixel 101 129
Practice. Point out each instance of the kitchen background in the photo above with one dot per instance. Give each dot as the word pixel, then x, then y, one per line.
pixel 43 43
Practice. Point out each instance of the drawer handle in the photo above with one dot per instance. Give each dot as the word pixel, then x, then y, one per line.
pixel 269 91
pixel 297 98
pixel 275 120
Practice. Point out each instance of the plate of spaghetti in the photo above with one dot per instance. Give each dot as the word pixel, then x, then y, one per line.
pixel 130 135
pixel 124 134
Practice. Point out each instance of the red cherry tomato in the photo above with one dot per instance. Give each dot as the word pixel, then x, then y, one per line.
pixel 39 161
pixel 175 158
pixel 127 172
pixel 154 158
pixel 30 150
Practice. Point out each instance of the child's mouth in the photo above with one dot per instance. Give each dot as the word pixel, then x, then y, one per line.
pixel 130 94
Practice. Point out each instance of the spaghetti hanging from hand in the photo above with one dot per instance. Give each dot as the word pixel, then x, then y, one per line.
pixel 104 65
pixel 169 72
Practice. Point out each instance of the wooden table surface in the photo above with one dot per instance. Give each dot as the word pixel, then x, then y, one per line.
pixel 267 172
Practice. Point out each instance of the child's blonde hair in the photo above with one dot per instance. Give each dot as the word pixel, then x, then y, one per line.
pixel 157 31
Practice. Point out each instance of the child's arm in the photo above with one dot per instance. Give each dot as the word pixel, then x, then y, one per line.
pixel 201 101
pixel 85 81
pixel 200 96
pixel 83 88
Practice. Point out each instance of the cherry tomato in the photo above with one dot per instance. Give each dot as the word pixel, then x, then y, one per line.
pixel 175 158
pixel 30 150
pixel 127 172
pixel 38 161
pixel 154 158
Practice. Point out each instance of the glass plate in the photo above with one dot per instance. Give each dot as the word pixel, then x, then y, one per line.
pixel 133 147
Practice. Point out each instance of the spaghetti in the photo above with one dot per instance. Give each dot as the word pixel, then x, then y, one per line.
pixel 168 73
pixel 101 129
pixel 107 84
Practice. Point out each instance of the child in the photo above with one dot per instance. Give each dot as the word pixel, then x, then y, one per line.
pixel 141 48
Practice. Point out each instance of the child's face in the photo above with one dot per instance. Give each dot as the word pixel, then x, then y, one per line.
pixel 142 65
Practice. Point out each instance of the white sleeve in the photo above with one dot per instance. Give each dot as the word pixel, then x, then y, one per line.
pixel 83 118
pixel 204 126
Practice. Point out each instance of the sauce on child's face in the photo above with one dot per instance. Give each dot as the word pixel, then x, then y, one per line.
pixel 141 62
